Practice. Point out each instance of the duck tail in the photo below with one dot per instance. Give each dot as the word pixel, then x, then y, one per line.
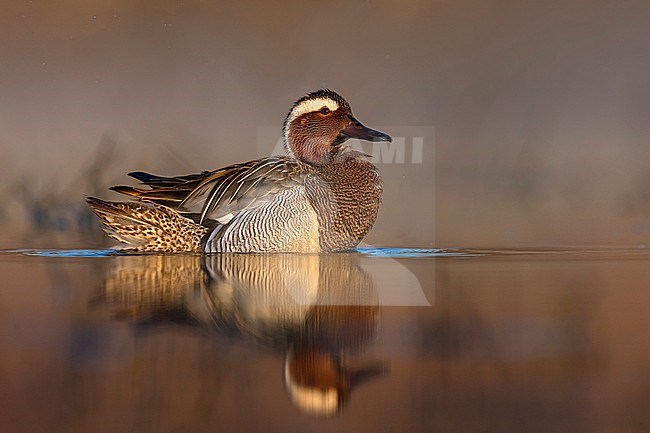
pixel 148 227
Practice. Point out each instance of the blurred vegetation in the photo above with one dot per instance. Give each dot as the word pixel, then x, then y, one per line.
pixel 50 206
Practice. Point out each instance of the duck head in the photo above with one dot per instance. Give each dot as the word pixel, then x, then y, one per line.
pixel 319 123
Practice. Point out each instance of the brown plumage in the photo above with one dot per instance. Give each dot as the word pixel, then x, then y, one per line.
pixel 148 227
pixel 320 197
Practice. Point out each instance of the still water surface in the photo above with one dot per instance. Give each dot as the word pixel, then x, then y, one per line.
pixel 381 340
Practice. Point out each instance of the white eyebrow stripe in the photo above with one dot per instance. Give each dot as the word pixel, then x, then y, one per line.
pixel 311 105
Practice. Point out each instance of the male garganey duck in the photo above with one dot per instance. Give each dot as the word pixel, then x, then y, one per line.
pixel 320 197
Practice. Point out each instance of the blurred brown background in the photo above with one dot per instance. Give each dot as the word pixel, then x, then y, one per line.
pixel 540 109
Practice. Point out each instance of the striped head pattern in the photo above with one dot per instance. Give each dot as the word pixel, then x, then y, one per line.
pixel 319 123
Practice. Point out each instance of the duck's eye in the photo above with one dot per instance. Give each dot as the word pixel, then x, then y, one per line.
pixel 324 110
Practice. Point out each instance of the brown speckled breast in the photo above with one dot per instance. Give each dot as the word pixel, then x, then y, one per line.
pixel 346 196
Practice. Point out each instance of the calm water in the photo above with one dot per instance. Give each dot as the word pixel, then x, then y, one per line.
pixel 376 341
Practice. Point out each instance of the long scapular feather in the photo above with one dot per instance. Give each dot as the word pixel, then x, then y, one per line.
pixel 202 196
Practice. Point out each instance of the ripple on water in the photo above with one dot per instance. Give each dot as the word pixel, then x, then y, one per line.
pixel 65 253
pixel 394 253
pixel 397 253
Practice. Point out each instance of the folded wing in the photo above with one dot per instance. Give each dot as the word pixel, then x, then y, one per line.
pixel 219 195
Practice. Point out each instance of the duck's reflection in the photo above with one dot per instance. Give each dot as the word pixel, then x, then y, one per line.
pixel 320 310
